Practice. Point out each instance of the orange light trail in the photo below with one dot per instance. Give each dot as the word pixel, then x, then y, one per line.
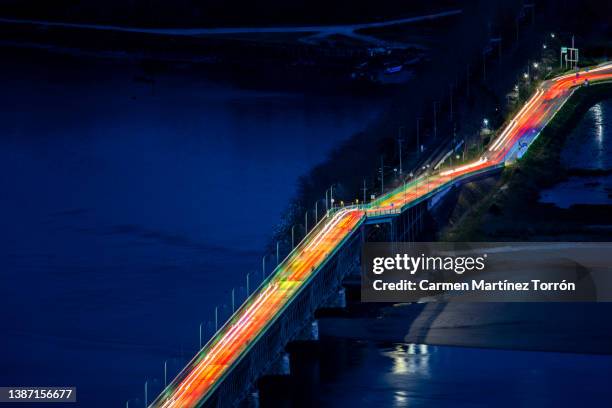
pixel 207 369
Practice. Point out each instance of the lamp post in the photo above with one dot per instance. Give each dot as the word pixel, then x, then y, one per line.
pixel 326 203
pixel 399 142
pixel 382 175
pixel 418 129
pixel 263 268
pixel 165 373
pixel 364 191
pixel 435 118
pixel 451 102
pixel 216 318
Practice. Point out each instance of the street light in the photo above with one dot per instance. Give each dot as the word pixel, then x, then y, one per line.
pixel 544 46
pixel 485 123
pixel 399 141
pixel 146 393
pixel 263 268
pixel 552 35
pixel 536 65
pixel 216 318
pixel 165 373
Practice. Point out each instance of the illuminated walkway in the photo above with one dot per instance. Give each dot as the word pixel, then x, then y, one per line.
pixel 205 372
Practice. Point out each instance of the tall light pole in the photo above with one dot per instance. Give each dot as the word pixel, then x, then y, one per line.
pixel 146 393
pixel 418 138
pixel 293 236
pixel 247 285
pixel 326 204
pixel 399 142
pixel 216 318
pixel 451 102
pixel 306 223
pixel 277 253
pixel 316 212
pixel 435 118
pixel 364 191
pixel 382 175
pixel 263 268
pixel 165 373
pixel 233 300
pixel 467 81
pixel 200 335
pixel 528 70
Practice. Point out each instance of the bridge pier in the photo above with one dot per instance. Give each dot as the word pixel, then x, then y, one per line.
pixel 282 366
pixel 338 300
pixel 253 399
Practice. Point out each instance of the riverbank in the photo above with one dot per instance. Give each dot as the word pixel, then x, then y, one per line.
pixel 510 210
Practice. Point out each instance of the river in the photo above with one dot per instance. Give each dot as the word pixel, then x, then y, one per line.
pixel 131 209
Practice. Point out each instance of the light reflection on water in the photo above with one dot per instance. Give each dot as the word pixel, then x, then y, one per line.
pixel 365 374
pixel 587 147
pixel 409 358
pixel 598 123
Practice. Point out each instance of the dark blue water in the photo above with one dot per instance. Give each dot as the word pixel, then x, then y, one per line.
pixel 589 147
pixel 412 375
pixel 129 211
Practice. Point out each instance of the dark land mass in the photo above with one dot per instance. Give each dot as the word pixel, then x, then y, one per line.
pixel 214 13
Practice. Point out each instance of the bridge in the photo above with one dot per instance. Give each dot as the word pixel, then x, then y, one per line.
pixel 252 342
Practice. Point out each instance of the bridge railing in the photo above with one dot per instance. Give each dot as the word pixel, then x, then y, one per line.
pixel 234 317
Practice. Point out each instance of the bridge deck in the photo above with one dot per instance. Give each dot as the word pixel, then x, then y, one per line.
pixel 198 380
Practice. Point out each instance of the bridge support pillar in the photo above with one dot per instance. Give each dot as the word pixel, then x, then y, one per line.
pixel 280 367
pixel 338 300
pixel 314 330
pixel 253 399
pixel 310 332
pixel 285 364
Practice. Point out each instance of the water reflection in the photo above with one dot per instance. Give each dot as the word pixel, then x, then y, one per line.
pixel 598 128
pixel 586 148
pixel 418 375
pixel 409 359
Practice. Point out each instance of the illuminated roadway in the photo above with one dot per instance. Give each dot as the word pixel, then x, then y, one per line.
pixel 206 370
